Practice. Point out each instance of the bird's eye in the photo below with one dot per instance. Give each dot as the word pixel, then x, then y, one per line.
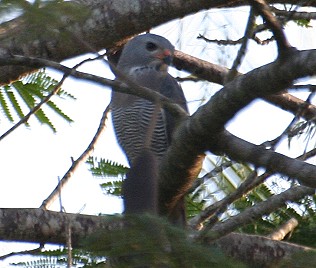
pixel 150 46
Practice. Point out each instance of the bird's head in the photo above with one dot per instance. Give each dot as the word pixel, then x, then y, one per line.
pixel 147 50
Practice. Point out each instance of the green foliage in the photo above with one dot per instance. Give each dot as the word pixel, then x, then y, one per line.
pixel 58 258
pixel 305 232
pixel 304 211
pixel 111 173
pixel 21 96
pixel 303 23
pixel 194 205
pixel 105 168
pixel 152 242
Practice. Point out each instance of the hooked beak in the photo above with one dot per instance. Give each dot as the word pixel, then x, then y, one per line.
pixel 165 56
pixel 167 59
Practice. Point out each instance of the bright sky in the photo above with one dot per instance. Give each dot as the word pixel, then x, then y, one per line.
pixel 33 158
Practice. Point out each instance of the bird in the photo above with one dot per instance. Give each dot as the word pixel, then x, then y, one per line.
pixel 144 129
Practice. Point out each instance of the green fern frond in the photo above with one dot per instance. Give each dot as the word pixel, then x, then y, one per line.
pixel 4 105
pixel 112 187
pixel 21 89
pixel 58 111
pixel 14 98
pixel 105 168
pixel 15 103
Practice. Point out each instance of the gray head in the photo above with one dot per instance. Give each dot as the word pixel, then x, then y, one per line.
pixel 147 50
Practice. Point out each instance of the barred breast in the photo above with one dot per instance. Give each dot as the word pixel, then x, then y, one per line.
pixel 131 126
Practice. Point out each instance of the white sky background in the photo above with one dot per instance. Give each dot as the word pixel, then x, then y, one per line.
pixel 33 158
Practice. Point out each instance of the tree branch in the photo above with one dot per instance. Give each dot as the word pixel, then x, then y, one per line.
pixel 117 85
pixel 43 226
pixel 216 209
pixel 284 229
pixel 38 225
pixel 274 162
pixel 264 10
pixel 203 127
pixel 216 74
pixel 251 214
pixel 257 251
pixel 83 157
pixel 104 23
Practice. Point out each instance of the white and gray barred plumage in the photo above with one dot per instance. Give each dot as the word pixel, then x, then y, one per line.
pixel 145 60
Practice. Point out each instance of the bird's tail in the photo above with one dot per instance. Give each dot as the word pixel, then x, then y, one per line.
pixel 140 188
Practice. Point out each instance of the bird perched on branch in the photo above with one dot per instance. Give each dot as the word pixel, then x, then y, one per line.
pixel 143 129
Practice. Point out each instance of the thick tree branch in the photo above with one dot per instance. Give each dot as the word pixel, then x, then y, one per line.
pixel 216 74
pixel 200 132
pixel 294 15
pixel 38 225
pixel 284 229
pixel 251 214
pixel 43 226
pixel 257 251
pixel 242 150
pixel 104 24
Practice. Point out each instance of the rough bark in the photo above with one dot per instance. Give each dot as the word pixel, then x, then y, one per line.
pixel 42 226
pixel 202 130
pixel 104 24
pixel 216 74
pixel 257 251
pixel 264 208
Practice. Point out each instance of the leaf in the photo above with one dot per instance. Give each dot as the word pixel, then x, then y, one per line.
pixel 20 95
pixel 4 105
pixel 105 168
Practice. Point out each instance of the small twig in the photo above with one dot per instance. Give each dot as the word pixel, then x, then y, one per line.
pixel 221 42
pixel 69 245
pixel 242 50
pixel 275 26
pixel 51 198
pixel 294 15
pixel 36 108
pixel 25 252
pixel 61 207
pixel 310 87
pixel 288 130
pixel 68 227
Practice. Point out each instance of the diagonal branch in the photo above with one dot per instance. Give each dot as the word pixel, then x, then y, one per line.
pixel 256 212
pixel 216 209
pixel 201 131
pixel 216 74
pixel 241 150
pixel 117 85
pixel 83 157
pixel 264 10
pixel 43 101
